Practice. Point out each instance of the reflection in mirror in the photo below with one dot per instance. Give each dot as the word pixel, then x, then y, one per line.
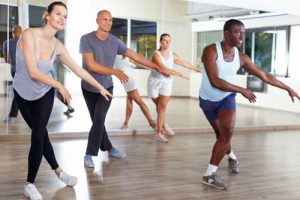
pixel 8 18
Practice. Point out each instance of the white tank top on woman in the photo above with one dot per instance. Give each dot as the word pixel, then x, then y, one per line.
pixel 169 63
pixel 226 71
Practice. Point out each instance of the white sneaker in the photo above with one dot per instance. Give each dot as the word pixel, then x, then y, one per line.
pixel 31 192
pixel 67 179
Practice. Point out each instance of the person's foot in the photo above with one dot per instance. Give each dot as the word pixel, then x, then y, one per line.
pixel 70 109
pixel 114 152
pixel 153 125
pixel 213 181
pixel 31 192
pixel 8 120
pixel 67 179
pixel 168 130
pixel 88 161
pixel 233 166
pixel 124 127
pixel 160 137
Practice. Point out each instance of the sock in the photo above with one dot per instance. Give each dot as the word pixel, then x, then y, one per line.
pixel 70 107
pixel 232 155
pixel 210 170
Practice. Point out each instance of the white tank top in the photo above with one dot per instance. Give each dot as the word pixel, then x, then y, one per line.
pixel 169 63
pixel 226 71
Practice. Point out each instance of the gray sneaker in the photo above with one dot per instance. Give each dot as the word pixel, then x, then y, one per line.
pixel 114 152
pixel 8 120
pixel 233 165
pixel 213 181
pixel 88 161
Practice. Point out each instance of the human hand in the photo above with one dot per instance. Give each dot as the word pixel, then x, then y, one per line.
pixel 293 94
pixel 121 76
pixel 248 94
pixel 184 76
pixel 164 71
pixel 66 97
pixel 198 70
pixel 105 93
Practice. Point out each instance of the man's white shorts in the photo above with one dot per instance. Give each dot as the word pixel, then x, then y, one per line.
pixel 159 86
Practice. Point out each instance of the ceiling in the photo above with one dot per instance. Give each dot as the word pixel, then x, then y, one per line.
pixel 209 9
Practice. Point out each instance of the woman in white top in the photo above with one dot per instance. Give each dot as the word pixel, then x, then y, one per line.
pixel 34 88
pixel 160 86
pixel 122 63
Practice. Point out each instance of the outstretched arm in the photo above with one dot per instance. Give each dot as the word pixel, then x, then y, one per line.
pixel 66 59
pixel 93 66
pixel 139 64
pixel 266 77
pixel 179 61
pixel 156 59
pixel 139 58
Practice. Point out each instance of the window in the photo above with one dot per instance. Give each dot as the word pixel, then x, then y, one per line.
pixel 268 49
pixel 13 20
pixel 143 37
pixel 35 16
pixel 204 39
pixel 119 29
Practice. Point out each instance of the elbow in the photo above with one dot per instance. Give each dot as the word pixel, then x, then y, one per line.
pixel 33 75
pixel 215 84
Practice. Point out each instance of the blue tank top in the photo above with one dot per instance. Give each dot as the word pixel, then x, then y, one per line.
pixel 226 71
pixel 27 88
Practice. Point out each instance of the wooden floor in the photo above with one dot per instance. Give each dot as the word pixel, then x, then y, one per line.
pixel 269 164
pixel 265 141
pixel 183 114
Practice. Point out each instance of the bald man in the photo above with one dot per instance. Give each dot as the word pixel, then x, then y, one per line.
pixel 99 49
pixel 9 54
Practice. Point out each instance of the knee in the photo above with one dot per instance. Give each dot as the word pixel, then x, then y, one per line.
pixel 37 138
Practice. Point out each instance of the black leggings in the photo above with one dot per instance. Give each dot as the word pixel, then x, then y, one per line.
pixel 36 114
pixel 98 107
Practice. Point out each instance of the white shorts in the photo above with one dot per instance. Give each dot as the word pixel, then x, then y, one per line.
pixel 159 86
pixel 130 85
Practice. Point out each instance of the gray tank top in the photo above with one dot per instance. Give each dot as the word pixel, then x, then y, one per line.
pixel 27 88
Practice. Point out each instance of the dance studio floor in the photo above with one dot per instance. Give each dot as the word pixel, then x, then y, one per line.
pixel 266 143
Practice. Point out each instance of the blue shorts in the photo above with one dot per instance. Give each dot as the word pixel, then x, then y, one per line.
pixel 211 108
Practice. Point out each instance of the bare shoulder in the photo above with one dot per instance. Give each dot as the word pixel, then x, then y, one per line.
pixel 26 38
pixel 60 47
pixel 27 33
pixel 209 52
pixel 211 47
pixel 244 58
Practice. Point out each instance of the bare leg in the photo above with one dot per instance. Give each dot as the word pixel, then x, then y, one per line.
pixel 134 94
pixel 129 108
pixel 161 105
pixel 223 128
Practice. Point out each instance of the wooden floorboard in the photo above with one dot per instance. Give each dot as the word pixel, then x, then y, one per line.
pixel 269 164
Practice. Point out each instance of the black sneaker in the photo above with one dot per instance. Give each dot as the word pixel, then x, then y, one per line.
pixel 233 166
pixel 213 181
pixel 70 110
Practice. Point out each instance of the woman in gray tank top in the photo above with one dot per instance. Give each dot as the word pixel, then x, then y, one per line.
pixel 34 89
